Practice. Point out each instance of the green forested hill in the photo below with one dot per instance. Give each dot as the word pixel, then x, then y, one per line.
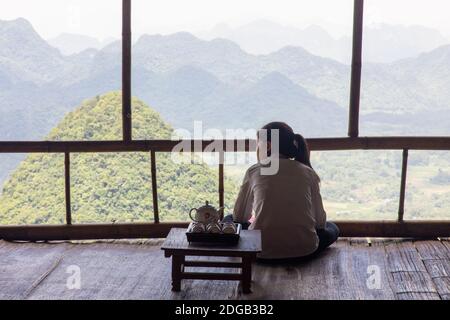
pixel 112 186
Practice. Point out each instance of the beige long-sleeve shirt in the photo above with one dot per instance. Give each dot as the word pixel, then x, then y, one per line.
pixel 287 208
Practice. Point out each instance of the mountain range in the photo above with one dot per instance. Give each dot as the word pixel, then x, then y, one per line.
pixel 185 79
pixel 383 43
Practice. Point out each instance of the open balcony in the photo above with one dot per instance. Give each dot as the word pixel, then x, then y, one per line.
pixel 124 260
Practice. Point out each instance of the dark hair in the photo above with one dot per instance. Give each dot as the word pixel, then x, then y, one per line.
pixel 291 145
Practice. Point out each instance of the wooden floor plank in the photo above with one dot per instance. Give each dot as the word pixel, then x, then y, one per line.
pixel 435 257
pixel 446 244
pixel 431 250
pixel 417 296
pixel 409 277
pixel 369 271
pixel 24 265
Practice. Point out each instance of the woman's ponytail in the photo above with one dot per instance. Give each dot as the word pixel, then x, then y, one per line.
pixel 302 155
pixel 290 145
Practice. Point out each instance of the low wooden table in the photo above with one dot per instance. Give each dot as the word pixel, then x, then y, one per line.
pixel 177 247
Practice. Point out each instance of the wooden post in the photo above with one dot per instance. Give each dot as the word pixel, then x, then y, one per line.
pixel 355 81
pixel 154 186
pixel 401 206
pixel 67 187
pixel 246 274
pixel 126 70
pixel 221 181
pixel 177 265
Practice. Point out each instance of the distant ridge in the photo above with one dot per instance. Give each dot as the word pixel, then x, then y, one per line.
pixel 383 43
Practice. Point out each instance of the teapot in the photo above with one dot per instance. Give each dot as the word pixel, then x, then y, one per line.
pixel 206 214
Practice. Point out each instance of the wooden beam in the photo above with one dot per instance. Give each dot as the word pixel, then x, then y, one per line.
pixel 401 205
pixel 355 80
pixel 67 188
pixel 211 276
pixel 394 229
pixel 221 181
pixel 126 70
pixel 154 187
pixel 379 143
pixel 88 231
pixel 315 144
pixel 118 146
pixel 212 264
pixel 384 229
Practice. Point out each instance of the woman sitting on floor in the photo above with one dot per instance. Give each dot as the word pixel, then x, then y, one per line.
pixel 284 203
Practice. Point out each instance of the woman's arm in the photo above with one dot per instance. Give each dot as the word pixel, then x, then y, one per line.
pixel 317 205
pixel 243 207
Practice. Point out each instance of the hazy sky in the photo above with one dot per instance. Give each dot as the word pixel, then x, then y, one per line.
pixel 101 18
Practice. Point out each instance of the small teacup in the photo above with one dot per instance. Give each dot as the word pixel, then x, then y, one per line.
pixel 213 228
pixel 229 227
pixel 198 227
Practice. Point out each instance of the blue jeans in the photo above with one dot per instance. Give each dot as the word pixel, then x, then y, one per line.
pixel 327 237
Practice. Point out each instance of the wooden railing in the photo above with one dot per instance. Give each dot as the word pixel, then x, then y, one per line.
pixel 399 228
